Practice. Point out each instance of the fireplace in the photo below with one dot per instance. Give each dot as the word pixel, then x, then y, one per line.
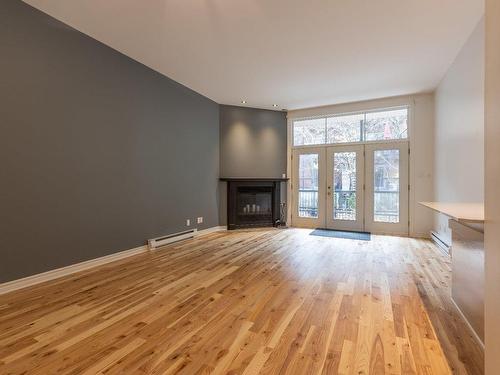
pixel 253 202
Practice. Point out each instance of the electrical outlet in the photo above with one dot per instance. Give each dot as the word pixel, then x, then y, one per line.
pixel 200 220
pixel 188 222
pixel 283 175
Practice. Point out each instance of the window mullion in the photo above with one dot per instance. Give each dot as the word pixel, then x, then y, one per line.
pixel 326 135
pixel 362 127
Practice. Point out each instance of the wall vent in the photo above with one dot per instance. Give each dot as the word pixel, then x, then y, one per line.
pixel 165 240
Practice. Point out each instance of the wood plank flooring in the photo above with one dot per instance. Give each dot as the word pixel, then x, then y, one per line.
pixel 246 302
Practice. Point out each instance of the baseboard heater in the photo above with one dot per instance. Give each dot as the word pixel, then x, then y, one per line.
pixel 441 244
pixel 174 237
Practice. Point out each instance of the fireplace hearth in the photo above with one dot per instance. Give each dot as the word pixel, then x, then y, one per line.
pixel 253 202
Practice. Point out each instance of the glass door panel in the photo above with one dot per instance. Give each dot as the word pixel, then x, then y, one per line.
pixel 308 193
pixel 308 186
pixel 345 187
pixel 387 188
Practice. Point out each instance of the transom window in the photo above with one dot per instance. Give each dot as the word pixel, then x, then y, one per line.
pixel 350 128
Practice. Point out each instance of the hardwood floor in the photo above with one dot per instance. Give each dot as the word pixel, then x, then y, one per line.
pixel 246 302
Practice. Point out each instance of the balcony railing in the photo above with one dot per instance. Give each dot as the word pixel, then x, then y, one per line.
pixel 308 203
pixel 386 205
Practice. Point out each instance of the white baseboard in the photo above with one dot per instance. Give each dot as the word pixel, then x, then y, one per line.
pixel 420 235
pixel 211 230
pixel 472 331
pixel 68 270
pixel 13 285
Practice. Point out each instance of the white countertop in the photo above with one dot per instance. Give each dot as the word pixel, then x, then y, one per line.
pixel 467 212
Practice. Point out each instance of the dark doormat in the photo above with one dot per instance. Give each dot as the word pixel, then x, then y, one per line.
pixel 363 236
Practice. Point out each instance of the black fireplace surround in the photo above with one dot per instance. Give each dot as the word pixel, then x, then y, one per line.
pixel 253 202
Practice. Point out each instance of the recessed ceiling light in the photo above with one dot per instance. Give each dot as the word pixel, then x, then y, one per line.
pixel 243 102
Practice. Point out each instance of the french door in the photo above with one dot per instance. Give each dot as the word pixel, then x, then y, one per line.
pixel 344 180
pixel 309 184
pixel 386 197
pixel 352 187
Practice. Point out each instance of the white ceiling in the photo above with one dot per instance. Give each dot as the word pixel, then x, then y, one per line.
pixel 295 53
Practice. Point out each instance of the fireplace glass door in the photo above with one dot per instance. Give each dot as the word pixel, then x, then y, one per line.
pixel 254 205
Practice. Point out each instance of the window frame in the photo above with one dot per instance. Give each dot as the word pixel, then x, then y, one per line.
pixel 362 130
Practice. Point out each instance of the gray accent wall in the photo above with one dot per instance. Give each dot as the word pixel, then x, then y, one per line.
pixel 98 153
pixel 252 144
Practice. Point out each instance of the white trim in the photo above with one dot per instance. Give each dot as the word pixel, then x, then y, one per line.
pixel 352 113
pixel 211 230
pixel 362 143
pixel 352 107
pixel 472 331
pixel 289 174
pixel 25 282
pixel 68 270
pixel 423 235
pixel 411 169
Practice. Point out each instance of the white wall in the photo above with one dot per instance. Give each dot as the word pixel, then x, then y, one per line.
pixel 459 130
pixel 421 132
pixel 492 196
